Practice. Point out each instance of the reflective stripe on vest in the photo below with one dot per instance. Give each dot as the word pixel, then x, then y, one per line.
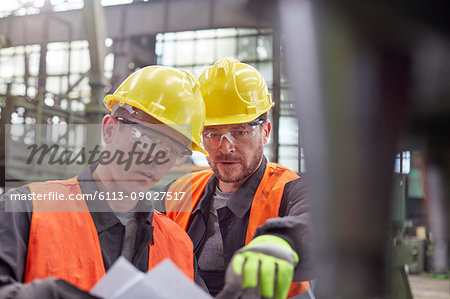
pixel 265 205
pixel 66 245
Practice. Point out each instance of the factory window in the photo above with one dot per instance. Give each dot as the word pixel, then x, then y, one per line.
pixel 403 162
pixel 66 81
pixel 19 66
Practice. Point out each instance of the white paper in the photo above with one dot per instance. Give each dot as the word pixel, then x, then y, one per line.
pixel 165 281
pixel 121 276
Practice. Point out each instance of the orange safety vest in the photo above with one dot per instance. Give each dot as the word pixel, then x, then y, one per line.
pixel 66 245
pixel 265 205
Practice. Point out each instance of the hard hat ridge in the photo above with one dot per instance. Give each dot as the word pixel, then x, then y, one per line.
pixel 234 92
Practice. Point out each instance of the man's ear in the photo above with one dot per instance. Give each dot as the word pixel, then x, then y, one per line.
pixel 109 124
pixel 267 126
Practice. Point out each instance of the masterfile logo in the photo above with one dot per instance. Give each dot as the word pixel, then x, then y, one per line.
pixel 82 156
pixel 140 165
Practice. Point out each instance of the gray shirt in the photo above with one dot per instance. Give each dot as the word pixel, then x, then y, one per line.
pixel 212 256
pixel 129 221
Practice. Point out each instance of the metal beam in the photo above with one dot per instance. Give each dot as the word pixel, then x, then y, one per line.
pixel 94 20
pixel 276 92
pixel 5 118
pixel 140 19
pixel 131 53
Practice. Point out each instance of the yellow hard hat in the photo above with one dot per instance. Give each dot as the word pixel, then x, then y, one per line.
pixel 171 96
pixel 234 92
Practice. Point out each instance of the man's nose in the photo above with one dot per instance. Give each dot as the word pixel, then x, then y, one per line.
pixel 226 143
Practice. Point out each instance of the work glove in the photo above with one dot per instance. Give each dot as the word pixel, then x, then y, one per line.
pixel 262 269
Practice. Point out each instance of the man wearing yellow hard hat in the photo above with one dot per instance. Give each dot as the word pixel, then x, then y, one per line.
pixel 250 219
pixel 45 252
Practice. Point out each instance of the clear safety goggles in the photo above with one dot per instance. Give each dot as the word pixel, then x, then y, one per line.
pixel 153 141
pixel 213 138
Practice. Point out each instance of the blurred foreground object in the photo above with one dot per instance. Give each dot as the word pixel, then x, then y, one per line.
pixel 365 80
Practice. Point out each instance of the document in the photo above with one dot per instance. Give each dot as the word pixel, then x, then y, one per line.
pixel 165 281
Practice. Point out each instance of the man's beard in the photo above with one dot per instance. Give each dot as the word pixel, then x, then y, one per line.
pixel 227 176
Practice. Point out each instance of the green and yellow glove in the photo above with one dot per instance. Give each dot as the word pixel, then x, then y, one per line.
pixel 262 269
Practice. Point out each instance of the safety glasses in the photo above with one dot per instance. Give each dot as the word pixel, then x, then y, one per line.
pixel 213 138
pixel 152 140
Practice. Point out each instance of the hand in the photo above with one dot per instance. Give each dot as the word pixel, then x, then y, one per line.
pixel 263 268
